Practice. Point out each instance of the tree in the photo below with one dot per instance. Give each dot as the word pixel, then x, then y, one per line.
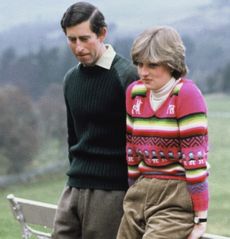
pixel 123 46
pixel 219 80
pixel 225 75
pixel 52 113
pixel 18 128
pixel 6 64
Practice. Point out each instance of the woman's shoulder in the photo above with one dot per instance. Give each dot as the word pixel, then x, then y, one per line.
pixel 186 87
pixel 137 88
pixel 190 98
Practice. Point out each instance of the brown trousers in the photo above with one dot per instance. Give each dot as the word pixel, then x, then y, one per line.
pixel 88 214
pixel 157 209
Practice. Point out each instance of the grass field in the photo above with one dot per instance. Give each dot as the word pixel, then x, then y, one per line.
pixel 219 137
pixel 48 189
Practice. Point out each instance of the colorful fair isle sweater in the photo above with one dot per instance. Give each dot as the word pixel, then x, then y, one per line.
pixel 171 142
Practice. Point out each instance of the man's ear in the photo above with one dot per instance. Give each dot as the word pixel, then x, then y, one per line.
pixel 102 34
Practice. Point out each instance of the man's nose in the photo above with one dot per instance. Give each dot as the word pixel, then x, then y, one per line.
pixel 78 47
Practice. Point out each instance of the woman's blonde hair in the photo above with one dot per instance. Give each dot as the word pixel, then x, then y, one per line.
pixel 161 45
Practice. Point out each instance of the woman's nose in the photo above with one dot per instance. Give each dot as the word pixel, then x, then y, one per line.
pixel 143 71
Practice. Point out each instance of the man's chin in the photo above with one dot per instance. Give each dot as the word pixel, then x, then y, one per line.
pixel 87 64
pixel 85 61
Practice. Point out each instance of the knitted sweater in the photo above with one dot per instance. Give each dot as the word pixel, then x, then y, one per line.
pixel 172 142
pixel 95 102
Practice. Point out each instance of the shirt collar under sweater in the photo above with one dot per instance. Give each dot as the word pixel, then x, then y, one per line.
pixel 105 61
pixel 158 97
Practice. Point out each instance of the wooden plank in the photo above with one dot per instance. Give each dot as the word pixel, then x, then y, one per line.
pixel 34 212
pixel 212 236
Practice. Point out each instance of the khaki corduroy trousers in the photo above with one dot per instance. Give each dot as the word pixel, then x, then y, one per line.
pixel 157 209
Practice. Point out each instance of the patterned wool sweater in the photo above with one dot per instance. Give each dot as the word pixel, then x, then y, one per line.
pixel 171 142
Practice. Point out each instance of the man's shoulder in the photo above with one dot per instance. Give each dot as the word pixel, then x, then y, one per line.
pixel 121 61
pixel 125 70
pixel 69 78
pixel 70 73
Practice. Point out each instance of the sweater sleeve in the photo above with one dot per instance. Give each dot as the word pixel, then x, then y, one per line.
pixel 131 156
pixel 193 130
pixel 71 136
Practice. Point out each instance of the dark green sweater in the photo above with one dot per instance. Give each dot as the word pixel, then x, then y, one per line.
pixel 95 101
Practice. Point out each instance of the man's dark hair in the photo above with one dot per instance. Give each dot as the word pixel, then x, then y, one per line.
pixel 81 12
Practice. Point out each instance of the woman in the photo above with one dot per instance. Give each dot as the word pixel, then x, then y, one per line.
pixel 167 144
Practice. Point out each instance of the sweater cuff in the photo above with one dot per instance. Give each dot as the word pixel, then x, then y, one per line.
pixel 200 196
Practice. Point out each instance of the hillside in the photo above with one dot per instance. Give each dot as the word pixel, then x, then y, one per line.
pixel 209 33
pixel 206 33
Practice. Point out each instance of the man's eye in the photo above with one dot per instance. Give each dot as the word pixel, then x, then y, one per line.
pixel 84 39
pixel 72 39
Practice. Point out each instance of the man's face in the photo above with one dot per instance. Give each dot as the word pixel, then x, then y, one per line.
pixel 85 44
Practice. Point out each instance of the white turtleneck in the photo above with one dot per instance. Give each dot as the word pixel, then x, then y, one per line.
pixel 157 97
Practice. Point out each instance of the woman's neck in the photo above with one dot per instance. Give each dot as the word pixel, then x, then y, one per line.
pixel 159 96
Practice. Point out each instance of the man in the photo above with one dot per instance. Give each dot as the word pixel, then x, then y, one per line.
pixel 91 204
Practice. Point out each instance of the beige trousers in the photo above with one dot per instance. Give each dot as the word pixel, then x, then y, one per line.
pixel 157 209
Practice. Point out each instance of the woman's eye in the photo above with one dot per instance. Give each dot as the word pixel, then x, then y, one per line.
pixel 153 65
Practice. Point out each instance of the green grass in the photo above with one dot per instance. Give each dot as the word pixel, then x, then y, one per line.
pixel 218 102
pixel 48 189
pixel 219 142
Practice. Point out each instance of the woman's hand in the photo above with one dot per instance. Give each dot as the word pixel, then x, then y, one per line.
pixel 198 230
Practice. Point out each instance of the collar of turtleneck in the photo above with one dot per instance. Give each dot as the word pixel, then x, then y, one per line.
pixel 157 97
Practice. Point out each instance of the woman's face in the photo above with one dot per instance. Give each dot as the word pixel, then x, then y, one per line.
pixel 154 76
